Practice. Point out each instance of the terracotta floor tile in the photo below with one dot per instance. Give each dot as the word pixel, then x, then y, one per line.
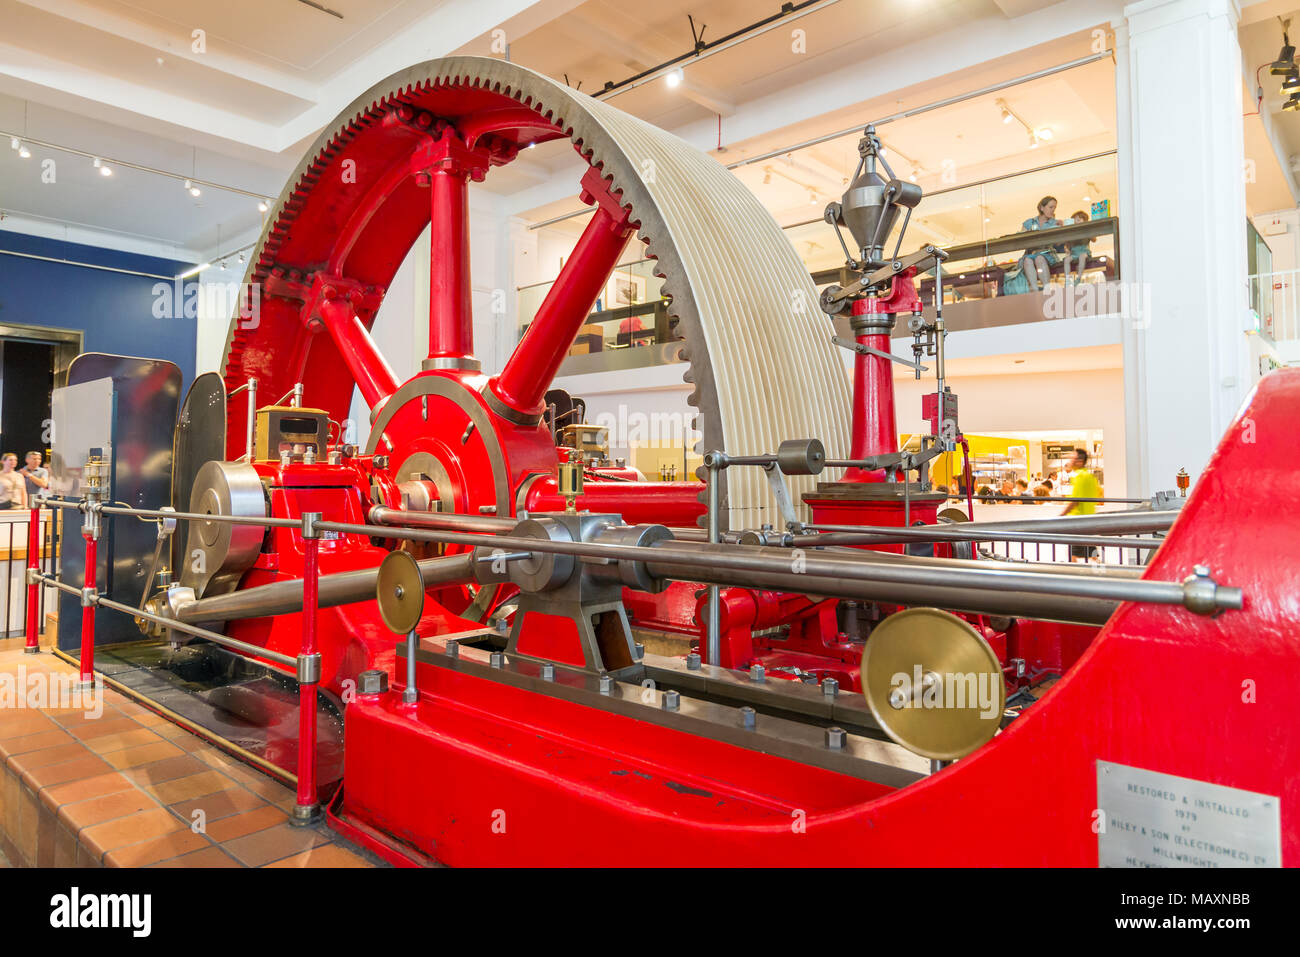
pixel 84 788
pixel 144 754
pixel 168 769
pixel 327 855
pixel 39 759
pixel 20 722
pixel 193 786
pixel 229 828
pixel 86 766
pixel 65 848
pixel 28 826
pixel 33 742
pixel 78 717
pixel 273 844
pixel 219 804
pixel 119 740
pixel 131 708
pixel 208 857
pixel 156 849
pixel 107 807
pixel 144 826
pixel 85 730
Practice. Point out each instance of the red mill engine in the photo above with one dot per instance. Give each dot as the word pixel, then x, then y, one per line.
pixel 513 634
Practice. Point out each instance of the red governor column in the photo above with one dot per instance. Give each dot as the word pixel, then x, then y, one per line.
pixel 874 429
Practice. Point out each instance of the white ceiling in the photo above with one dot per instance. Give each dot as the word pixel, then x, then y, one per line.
pixel 87 74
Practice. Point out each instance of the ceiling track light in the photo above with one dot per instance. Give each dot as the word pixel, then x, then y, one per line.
pixel 193 190
pixel 262 207
pixel 674 78
pixel 1292 104
pixel 104 168
pixel 14 142
pixel 1007 115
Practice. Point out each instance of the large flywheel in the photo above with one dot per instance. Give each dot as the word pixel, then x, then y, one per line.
pixel 398 158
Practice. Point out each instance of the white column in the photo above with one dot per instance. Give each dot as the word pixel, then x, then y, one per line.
pixel 1183 233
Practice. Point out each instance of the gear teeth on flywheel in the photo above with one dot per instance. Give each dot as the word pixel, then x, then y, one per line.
pixel 759 374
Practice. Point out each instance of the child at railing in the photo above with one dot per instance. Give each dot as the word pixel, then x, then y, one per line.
pixel 1079 251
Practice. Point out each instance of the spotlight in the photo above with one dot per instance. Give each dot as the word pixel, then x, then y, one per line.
pixel 1007 117
pixel 812 197
pixel 194 190
pixel 1033 141
pixel 767 177
pixel 1285 59
pixel 243 258
pixel 1045 133
pixel 915 173
pixel 222 264
pixel 674 79
pixel 262 207
pixel 24 152
pixel 104 169
pixel 1291 105
pixel 14 142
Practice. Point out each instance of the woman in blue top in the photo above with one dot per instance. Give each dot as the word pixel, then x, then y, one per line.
pixel 1038 263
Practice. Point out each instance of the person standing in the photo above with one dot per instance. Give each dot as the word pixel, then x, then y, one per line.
pixel 13 489
pixel 1083 484
pixel 36 477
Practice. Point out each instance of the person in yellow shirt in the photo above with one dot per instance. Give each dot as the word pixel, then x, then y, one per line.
pixel 1083 484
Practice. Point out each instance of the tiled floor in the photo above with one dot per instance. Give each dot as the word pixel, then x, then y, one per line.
pixel 127 788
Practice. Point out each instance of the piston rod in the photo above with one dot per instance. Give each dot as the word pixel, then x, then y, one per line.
pixel 1200 594
pixel 340 588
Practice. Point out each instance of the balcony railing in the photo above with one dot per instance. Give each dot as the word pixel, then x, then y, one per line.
pixel 982 226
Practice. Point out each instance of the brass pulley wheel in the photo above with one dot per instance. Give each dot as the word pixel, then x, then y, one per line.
pixel 932 683
pixel 400 592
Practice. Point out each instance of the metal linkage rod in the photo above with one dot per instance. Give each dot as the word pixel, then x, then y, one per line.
pixel 183 516
pixel 960 534
pixel 191 630
pixel 1203 597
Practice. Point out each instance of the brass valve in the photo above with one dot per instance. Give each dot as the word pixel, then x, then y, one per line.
pixel 570 480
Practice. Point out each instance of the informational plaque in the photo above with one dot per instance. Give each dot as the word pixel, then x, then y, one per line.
pixel 1151 819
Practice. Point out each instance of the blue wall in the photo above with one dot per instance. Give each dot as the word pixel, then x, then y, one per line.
pixel 114 310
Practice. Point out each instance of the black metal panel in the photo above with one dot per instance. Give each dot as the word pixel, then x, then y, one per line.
pixel 200 438
pixel 146 394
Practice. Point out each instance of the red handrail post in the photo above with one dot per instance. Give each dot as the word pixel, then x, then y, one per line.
pixel 33 582
pixel 307 804
pixel 90 532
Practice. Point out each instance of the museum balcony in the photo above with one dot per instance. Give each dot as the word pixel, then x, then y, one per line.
pixel 988 228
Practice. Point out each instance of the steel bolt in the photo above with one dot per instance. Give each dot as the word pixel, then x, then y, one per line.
pixel 606 684
pixel 672 701
pixel 693 662
pixel 548 671
pixel 756 673
pixel 836 738
pixel 830 687
pixel 639 651
pixel 748 718
pixel 497 659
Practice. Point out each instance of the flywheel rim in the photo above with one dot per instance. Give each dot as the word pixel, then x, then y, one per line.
pixel 756 348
